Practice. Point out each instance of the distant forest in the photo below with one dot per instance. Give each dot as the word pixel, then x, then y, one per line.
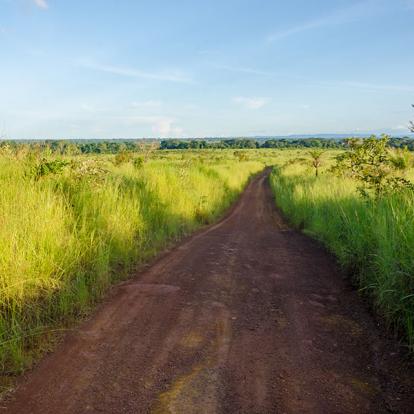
pixel 114 146
pixel 246 143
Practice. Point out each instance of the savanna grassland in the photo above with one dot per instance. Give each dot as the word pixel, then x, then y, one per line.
pixel 70 226
pixel 360 204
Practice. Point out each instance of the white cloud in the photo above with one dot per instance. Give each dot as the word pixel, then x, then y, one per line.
pixel 170 75
pixel 338 17
pixel 42 4
pixel 164 128
pixel 161 126
pixel 251 103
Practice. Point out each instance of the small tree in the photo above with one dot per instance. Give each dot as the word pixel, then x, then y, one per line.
pixel 316 159
pixel 370 162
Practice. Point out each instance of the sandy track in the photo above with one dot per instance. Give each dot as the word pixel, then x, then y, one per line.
pixel 246 316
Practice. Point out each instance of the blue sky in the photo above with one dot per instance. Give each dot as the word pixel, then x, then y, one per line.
pixel 107 69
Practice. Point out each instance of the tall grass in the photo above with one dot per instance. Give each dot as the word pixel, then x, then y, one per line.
pixel 64 238
pixel 373 240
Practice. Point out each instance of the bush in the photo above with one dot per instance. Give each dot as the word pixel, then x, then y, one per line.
pixel 122 158
pixel 45 167
pixel 376 169
pixel 138 162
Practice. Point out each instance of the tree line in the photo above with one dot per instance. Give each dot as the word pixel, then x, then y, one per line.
pixel 245 143
pixel 117 146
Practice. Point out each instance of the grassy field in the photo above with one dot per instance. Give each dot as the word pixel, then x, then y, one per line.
pixel 70 227
pixel 372 238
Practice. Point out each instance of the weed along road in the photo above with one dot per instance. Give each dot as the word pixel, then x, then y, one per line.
pixel 246 316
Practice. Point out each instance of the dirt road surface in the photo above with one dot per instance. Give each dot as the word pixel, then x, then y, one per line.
pixel 247 316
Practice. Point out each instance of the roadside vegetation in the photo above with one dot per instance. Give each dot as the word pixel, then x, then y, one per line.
pixel 360 204
pixel 72 225
pixel 75 219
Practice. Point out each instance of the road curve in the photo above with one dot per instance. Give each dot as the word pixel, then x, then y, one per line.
pixel 247 316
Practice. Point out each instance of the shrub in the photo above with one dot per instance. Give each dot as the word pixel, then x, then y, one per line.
pixel 370 163
pixel 45 167
pixel 122 158
pixel 138 162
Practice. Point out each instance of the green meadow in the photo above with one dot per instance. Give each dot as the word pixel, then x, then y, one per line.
pixel 73 225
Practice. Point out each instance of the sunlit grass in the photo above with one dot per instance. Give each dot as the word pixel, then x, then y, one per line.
pixel 65 238
pixel 373 240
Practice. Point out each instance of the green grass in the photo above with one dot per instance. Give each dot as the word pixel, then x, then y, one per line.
pixel 65 238
pixel 374 241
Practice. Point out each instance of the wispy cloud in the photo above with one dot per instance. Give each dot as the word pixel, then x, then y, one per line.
pixel 259 72
pixel 169 76
pixel 42 4
pixel 251 103
pixel 338 17
pixel 380 87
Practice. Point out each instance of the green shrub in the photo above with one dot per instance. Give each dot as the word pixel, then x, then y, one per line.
pixel 45 167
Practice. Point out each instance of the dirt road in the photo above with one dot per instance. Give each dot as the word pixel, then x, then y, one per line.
pixel 247 316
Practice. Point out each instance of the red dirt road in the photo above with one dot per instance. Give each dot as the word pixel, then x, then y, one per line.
pixel 247 316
